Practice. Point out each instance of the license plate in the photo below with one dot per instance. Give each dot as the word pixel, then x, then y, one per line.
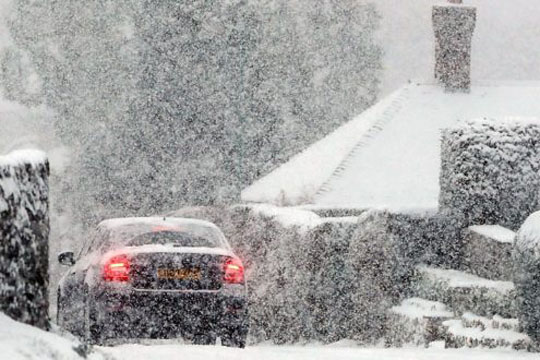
pixel 179 274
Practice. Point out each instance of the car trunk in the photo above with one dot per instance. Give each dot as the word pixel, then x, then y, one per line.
pixel 177 271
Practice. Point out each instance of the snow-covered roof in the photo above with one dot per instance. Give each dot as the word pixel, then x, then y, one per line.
pixel 389 156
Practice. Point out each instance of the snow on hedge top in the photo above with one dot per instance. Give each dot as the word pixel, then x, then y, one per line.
pixel 19 157
pixel 528 236
pixel 460 279
pixel 497 122
pixel 288 217
pixel 294 217
pixel 495 232
pixel 8 184
pixel 418 308
pixel 389 156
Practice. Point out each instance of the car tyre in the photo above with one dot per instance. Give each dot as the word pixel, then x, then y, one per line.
pixel 59 310
pixel 93 334
pixel 204 339
pixel 234 337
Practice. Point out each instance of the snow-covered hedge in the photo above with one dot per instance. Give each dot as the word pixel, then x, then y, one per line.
pixel 324 279
pixel 490 170
pixel 526 259
pixel 24 231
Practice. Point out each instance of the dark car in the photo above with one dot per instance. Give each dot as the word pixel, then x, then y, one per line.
pixel 154 278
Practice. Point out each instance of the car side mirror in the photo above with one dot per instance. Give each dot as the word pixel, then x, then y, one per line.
pixel 66 258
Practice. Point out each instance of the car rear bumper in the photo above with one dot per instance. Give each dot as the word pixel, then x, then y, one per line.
pixel 155 313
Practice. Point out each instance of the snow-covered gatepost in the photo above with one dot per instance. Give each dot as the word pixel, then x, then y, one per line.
pixel 24 233
pixel 489 171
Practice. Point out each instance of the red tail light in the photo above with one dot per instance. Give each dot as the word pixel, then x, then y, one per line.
pixel 117 269
pixel 233 271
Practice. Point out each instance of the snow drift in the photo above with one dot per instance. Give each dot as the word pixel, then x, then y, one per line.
pixel 20 341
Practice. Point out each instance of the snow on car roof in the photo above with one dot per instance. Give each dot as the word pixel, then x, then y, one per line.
pixel 164 222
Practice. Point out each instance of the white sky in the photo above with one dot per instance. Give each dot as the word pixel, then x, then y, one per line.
pixel 506 43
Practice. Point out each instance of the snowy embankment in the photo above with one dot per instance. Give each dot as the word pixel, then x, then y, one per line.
pixel 21 341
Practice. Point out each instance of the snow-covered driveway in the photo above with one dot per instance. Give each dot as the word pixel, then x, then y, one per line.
pixel 189 352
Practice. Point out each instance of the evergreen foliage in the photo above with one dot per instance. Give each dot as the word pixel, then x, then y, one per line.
pixel 171 103
pixel 490 170
pixel 526 259
pixel 24 235
pixel 334 281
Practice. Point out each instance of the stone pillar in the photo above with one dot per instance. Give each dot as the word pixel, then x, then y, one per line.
pixel 454 27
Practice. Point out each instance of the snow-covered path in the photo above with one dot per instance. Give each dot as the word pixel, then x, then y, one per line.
pixel 165 352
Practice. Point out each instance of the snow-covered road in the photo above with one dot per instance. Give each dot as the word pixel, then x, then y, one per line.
pixel 171 351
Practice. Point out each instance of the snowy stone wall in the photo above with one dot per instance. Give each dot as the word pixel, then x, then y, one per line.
pixel 489 171
pixel 24 231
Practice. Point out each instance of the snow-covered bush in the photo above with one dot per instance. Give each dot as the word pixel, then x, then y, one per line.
pixel 24 231
pixel 370 256
pixel 526 259
pixel 313 278
pixel 381 263
pixel 265 245
pixel 382 257
pixel 429 238
pixel 489 171
pixel 327 291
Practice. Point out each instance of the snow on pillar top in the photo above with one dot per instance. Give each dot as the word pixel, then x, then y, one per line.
pixel 453 24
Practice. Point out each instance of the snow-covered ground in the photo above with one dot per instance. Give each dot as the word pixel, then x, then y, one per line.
pixel 20 341
pixel 24 342
pixel 165 352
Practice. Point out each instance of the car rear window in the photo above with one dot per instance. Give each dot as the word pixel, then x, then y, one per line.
pixel 175 238
pixel 162 233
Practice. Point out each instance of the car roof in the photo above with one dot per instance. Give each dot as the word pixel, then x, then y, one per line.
pixel 113 224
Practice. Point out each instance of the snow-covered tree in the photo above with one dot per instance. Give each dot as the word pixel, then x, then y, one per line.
pixel 171 103
pixel 83 54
